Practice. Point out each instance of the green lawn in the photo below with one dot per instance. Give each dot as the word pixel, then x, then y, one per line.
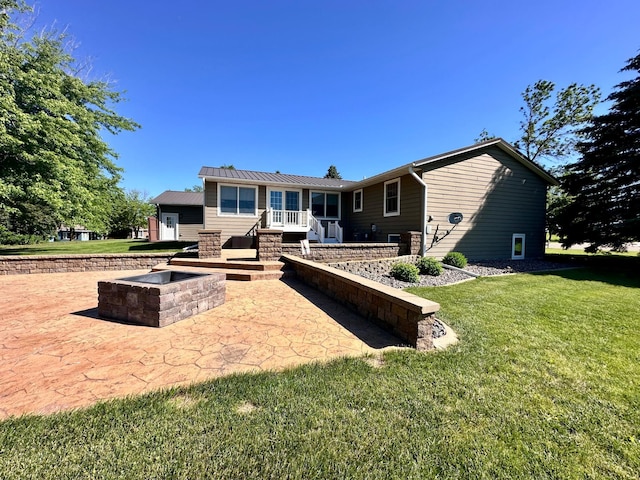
pixel 93 246
pixel 545 383
pixel 578 251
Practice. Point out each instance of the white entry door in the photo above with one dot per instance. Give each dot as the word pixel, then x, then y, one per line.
pixel 169 226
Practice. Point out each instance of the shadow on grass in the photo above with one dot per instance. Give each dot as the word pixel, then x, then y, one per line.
pixel 614 270
pixel 154 246
pixel 366 331
pixel 25 251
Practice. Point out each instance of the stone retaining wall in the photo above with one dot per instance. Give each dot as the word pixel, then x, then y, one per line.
pixel 15 265
pixel 377 267
pixel 335 252
pixel 408 316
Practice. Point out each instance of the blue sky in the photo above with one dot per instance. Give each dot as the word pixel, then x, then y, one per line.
pixel 297 86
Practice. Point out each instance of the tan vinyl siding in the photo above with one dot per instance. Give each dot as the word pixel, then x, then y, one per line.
pixel 497 196
pixel 229 224
pixel 359 223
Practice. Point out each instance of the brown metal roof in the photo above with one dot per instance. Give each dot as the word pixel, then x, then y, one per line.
pixel 171 197
pixel 271 178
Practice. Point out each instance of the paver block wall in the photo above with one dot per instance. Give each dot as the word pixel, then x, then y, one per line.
pixel 209 244
pixel 408 316
pixel 376 267
pixel 269 245
pixel 15 265
pixel 160 305
pixel 413 241
pixel 335 252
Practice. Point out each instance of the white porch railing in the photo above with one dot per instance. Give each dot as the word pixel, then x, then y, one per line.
pixel 316 226
pixel 293 220
pixel 334 230
pixel 304 221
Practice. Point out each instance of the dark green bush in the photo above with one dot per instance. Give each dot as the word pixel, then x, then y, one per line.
pixel 429 266
pixel 405 272
pixel 455 259
pixel 8 237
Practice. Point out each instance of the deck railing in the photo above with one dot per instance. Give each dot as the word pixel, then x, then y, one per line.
pixel 303 221
pixel 288 219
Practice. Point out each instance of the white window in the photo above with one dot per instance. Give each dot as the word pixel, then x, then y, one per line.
pixel 234 200
pixel 392 198
pixel 284 199
pixel 357 201
pixel 325 205
pixel 517 246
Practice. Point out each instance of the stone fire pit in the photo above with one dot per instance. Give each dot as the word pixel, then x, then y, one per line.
pixel 158 299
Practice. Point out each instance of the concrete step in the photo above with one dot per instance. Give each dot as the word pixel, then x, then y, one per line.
pixel 228 264
pixel 231 273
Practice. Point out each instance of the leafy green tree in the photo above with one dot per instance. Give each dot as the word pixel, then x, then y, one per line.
pixel 54 165
pixel 550 130
pixel 484 136
pixel 130 213
pixel 195 188
pixel 604 184
pixel 332 172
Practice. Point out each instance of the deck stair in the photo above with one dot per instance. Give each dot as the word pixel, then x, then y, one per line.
pixel 241 270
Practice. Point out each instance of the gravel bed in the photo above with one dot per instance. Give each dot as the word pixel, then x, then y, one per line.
pixel 482 268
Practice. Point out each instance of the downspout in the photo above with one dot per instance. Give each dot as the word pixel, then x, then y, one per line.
pixel 423 250
pixel 204 201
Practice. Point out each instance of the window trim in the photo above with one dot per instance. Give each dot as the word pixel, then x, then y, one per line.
pixel 237 214
pixel 325 192
pixel 355 192
pixel 513 246
pixel 284 191
pixel 384 199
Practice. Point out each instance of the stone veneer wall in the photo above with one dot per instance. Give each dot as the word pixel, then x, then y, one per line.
pixel 209 244
pixel 160 305
pixel 15 265
pixel 336 252
pixel 408 316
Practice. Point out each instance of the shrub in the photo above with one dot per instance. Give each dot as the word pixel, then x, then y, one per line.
pixel 429 266
pixel 405 272
pixel 455 259
pixel 8 237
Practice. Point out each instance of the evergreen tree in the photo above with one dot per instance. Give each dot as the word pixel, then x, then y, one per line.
pixel 604 185
pixel 332 172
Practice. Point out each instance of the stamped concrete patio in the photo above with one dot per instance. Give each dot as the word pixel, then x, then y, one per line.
pixel 56 354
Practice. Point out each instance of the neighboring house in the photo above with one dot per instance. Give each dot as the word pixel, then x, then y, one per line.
pixel 179 215
pixel 487 201
pixel 78 233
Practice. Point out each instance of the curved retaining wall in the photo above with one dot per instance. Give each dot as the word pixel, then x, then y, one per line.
pixel 16 265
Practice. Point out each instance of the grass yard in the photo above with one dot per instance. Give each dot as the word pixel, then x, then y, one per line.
pixel 93 246
pixel 545 383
